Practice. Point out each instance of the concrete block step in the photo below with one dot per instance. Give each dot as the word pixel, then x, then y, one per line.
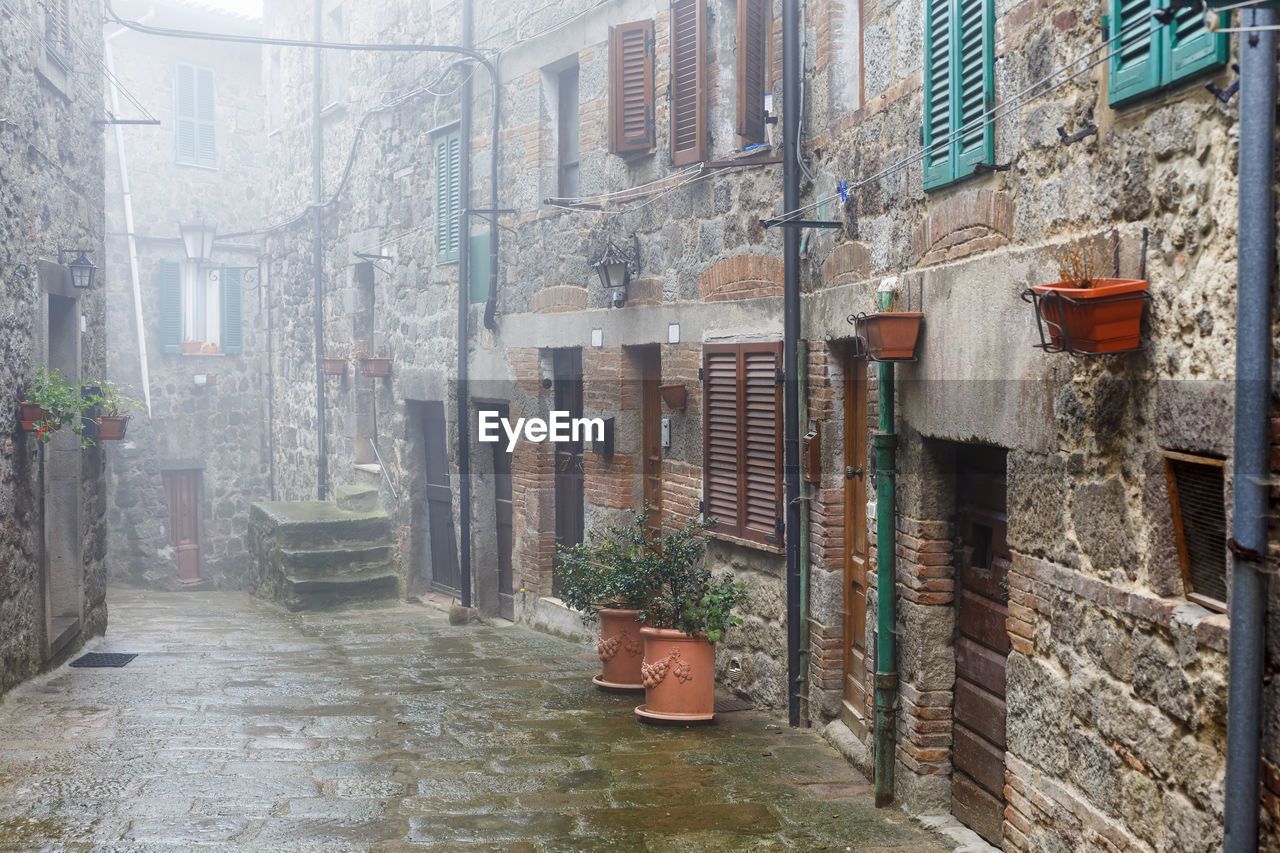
pixel 335 560
pixel 331 593
pixel 319 525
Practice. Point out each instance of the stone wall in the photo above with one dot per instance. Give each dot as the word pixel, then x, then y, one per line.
pixel 52 496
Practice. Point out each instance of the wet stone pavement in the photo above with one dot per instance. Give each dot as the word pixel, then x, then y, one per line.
pixel 240 726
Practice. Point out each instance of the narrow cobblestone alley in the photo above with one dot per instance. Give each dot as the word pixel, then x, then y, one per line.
pixel 240 726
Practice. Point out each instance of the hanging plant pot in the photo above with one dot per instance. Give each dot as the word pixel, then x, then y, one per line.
pixel 29 414
pixel 333 365
pixel 112 427
pixel 372 365
pixel 674 396
pixel 1105 318
pixel 890 335
pixel 679 677
pixel 621 650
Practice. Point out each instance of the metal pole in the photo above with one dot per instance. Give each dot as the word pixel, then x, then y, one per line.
pixel 1255 260
pixel 886 678
pixel 317 247
pixel 791 335
pixel 464 306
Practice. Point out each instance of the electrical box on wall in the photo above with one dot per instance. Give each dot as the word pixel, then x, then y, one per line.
pixel 811 455
pixel 666 433
pixel 603 446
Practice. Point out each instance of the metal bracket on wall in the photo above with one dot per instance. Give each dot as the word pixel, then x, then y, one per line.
pixel 802 223
pixel 982 168
pixel 1225 95
pixel 1089 129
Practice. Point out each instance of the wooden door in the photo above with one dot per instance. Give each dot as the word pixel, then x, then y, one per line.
pixel 182 494
pixel 854 708
pixel 503 511
pixel 651 435
pixel 982 641
pixel 443 573
pixel 567 383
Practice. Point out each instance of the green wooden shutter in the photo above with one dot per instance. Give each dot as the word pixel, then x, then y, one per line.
pixel 937 93
pixel 206 150
pixel 184 89
pixel 1192 48
pixel 232 281
pixel 973 85
pixel 1134 67
pixel 480 267
pixel 448 196
pixel 170 281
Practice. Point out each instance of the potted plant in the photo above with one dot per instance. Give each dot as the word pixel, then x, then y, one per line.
pixel 889 334
pixel 192 347
pixel 209 348
pixel 688 611
pixel 610 577
pixel 50 402
pixel 1085 312
pixel 111 403
pixel 333 365
pixel 372 365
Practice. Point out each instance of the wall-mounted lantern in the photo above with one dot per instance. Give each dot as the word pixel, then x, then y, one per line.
pixel 197 238
pixel 615 268
pixel 82 269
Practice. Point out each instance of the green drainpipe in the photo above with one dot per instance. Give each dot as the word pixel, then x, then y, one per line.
pixel 802 682
pixel 886 678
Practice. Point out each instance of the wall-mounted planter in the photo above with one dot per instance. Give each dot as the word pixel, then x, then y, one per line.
pixel 890 335
pixel 333 366
pixel 192 347
pixel 674 396
pixel 1106 318
pixel 373 365
pixel 112 427
pixel 29 415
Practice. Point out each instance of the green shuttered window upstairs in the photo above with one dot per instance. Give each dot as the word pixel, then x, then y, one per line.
pixel 170 280
pixel 232 323
pixel 1148 56
pixel 194 115
pixel 959 86
pixel 448 148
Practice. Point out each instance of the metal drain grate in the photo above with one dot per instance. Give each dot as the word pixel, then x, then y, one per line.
pixel 724 706
pixel 97 659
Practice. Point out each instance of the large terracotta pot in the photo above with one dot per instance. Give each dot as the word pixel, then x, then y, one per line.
pixel 1100 319
pixel 892 335
pixel 621 650
pixel 679 675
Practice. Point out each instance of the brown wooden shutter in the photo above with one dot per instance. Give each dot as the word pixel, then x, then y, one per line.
pixel 631 87
pixel 721 459
pixel 754 18
pixel 761 440
pixel 688 81
pixel 1198 503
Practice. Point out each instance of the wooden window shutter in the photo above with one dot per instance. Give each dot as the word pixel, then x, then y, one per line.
pixel 1198 504
pixel 722 484
pixel 57 28
pixel 170 284
pixel 938 167
pixel 206 133
pixel 184 86
pixel 761 440
pixel 688 81
pixel 631 88
pixel 754 18
pixel 448 196
pixel 1134 67
pixel 1192 47
pixel 232 281
pixel 973 85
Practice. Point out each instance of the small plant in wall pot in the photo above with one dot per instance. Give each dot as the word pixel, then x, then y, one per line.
pixel 889 334
pixel 49 403
pixel 112 403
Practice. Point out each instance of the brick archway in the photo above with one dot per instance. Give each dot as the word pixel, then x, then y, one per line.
pixel 741 277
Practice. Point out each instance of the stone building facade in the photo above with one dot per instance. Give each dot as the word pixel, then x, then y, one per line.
pixel 52 495
pixel 182 482
pixel 1039 563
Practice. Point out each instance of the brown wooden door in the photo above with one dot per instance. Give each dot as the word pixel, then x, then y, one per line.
pixel 443 572
pixel 503 511
pixel 567 382
pixel 651 435
pixel 854 709
pixel 182 493
pixel 982 641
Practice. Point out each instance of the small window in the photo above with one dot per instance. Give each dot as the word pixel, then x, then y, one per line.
pixel 1148 58
pixel 959 88
pixel 688 81
pixel 742 439
pixel 567 133
pixel 57 30
pixel 200 306
pixel 631 88
pixel 194 110
pixel 1196 497
pixel 754 26
pixel 448 147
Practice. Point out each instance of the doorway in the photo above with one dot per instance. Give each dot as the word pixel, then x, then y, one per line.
pixel 982 641
pixel 443 573
pixel 182 494
pixel 503 521
pixel 853 710
pixel 63 566
pixel 566 370
pixel 650 363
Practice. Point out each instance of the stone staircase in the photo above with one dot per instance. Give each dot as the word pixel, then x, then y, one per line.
pixel 312 555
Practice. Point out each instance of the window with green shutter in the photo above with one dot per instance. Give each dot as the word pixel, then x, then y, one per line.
pixel 1149 56
pixel 448 195
pixel 232 280
pixel 169 277
pixel 959 87
pixel 194 120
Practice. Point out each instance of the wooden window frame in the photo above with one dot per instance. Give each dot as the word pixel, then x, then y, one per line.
pixel 961 156
pixel 568 129
pixel 631 84
pixel 740 526
pixel 57 31
pixel 1165 61
pixel 688 95
pixel 1175 508
pixel 755 28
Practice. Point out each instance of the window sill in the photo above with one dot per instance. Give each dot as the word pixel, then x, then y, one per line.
pixel 768 547
pixel 368 467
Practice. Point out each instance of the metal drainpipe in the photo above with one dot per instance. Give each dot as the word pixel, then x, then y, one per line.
pixel 791 337
pixel 317 249
pixel 886 678
pixel 464 305
pixel 1255 259
pixel 802 683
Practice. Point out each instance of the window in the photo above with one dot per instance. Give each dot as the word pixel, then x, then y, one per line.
pixel 448 195
pixel 57 30
pixel 275 92
pixel 631 88
pixel 201 305
pixel 193 91
pixel 754 24
pixel 567 133
pixel 958 89
pixel 1198 503
pixel 1143 65
pixel 742 439
pixel 688 81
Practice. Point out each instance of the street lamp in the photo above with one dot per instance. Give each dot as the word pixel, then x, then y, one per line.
pixel 615 268
pixel 82 269
pixel 197 238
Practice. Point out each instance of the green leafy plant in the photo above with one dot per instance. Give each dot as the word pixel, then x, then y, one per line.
pixel 111 397
pixel 686 596
pixel 611 569
pixel 62 402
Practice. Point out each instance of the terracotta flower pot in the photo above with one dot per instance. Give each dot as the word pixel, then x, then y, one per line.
pixel 679 676
pixel 375 366
pixel 30 414
pixel 621 650
pixel 1100 319
pixel 674 395
pixel 892 335
pixel 333 366
pixel 112 427
pixel 192 347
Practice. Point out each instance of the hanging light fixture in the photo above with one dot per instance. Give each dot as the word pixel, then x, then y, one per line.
pixel 615 268
pixel 197 238
pixel 82 269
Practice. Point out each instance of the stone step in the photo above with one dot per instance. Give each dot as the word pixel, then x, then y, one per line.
pixel 334 592
pixel 308 562
pixel 318 525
